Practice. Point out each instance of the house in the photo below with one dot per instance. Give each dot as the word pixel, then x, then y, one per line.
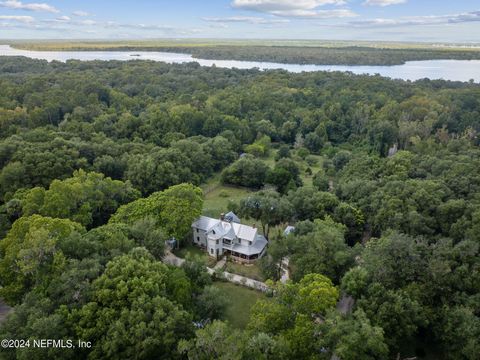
pixel 227 236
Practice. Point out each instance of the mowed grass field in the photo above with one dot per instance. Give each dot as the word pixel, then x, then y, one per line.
pixel 218 197
pixel 241 300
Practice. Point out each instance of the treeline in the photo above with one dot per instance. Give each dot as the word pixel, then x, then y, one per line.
pixel 304 55
pixel 351 55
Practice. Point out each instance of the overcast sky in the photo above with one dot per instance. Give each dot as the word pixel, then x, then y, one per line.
pixel 395 20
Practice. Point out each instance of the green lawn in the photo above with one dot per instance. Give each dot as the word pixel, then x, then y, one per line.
pixel 218 196
pixel 251 271
pixel 195 251
pixel 241 300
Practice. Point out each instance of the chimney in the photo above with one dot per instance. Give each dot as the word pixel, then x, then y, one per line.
pixel 254 226
pixel 222 216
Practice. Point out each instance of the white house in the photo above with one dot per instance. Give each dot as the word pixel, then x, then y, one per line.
pixel 226 236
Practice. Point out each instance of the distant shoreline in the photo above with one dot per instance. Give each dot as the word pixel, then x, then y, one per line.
pixel 301 53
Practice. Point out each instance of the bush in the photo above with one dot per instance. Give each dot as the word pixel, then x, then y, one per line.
pixel 303 153
pixel 311 160
pixel 320 181
pixel 224 194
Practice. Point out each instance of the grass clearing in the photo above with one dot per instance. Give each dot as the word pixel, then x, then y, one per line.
pixel 218 196
pixel 194 251
pixel 241 300
pixel 251 271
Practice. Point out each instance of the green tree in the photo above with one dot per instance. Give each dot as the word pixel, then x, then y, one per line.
pixel 31 254
pixel 353 337
pixel 211 303
pixel 247 171
pixel 87 198
pixel 215 341
pixel 322 251
pixel 266 206
pixel 174 209
pixel 130 314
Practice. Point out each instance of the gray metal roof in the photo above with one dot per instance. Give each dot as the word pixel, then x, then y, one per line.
pixel 288 230
pixel 205 223
pixel 230 216
pixel 256 248
pixel 226 229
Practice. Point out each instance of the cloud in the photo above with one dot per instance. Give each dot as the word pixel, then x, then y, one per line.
pixel 245 19
pixel 87 22
pixel 80 13
pixel 18 5
pixel 473 16
pixel 318 14
pixel 63 18
pixel 383 2
pixel 295 8
pixel 22 19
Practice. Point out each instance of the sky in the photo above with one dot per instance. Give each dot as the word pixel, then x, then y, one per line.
pixel 385 20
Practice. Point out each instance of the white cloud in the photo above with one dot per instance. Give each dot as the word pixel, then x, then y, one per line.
pixel 295 8
pixel 280 5
pixel 245 19
pixel 383 2
pixel 22 19
pixel 80 13
pixel 318 14
pixel 420 20
pixel 63 18
pixel 87 22
pixel 18 5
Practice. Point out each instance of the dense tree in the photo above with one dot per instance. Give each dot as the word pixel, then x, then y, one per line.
pixel 247 172
pixel 310 204
pixel 131 313
pixel 173 210
pixel 31 254
pixel 353 337
pixel 392 215
pixel 321 251
pixel 86 198
pixel 215 341
pixel 266 206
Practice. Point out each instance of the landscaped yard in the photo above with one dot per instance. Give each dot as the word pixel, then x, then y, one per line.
pixel 194 251
pixel 241 300
pixel 251 271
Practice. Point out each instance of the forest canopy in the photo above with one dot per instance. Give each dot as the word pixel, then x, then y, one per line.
pixel 101 163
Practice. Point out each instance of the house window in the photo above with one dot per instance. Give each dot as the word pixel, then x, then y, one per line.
pixel 217 241
pixel 211 251
pixel 198 238
pixel 213 232
pixel 197 230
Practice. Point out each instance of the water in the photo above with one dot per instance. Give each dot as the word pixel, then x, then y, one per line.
pixel 455 70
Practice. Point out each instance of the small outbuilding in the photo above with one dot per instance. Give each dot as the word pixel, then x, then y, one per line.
pixel 288 230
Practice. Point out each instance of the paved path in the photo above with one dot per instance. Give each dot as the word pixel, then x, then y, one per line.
pixel 174 260
pixel 171 259
pixel 220 264
pixel 285 270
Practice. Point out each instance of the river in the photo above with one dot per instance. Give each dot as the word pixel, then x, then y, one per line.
pixel 455 70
